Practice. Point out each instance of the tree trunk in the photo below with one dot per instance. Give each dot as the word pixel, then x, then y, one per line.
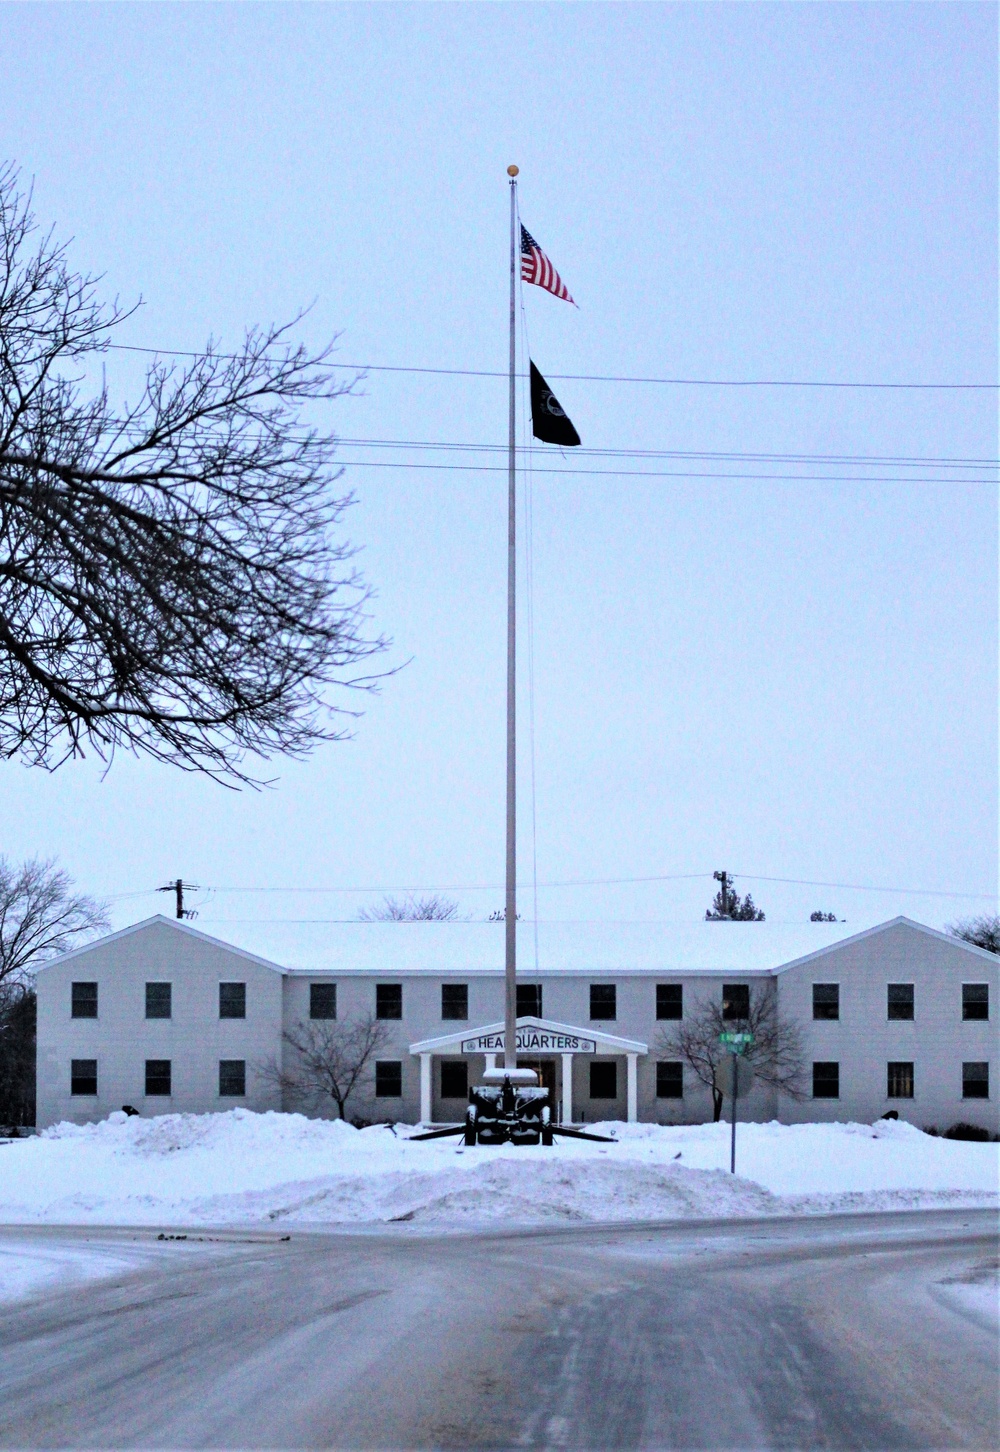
pixel 716 1103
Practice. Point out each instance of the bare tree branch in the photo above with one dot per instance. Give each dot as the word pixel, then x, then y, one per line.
pixel 433 909
pixel 41 916
pixel 169 577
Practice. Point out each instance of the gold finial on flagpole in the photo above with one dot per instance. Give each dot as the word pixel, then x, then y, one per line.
pixel 512 170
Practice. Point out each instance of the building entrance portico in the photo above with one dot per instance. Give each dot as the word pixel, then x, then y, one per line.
pixel 545 1045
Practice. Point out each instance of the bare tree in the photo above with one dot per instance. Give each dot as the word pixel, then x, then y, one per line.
pixel 332 1058
pixel 776 1055
pixel 169 579
pixel 433 909
pixel 40 916
pixel 983 931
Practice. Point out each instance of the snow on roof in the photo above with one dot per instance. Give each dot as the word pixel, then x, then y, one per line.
pixel 563 947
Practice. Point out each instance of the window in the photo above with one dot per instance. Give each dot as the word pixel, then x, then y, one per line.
pixel 826 1001
pixel 826 1081
pixel 84 1000
pixel 900 1000
pixel 232 1000
pixel 603 1003
pixel 83 1076
pixel 529 1000
pixel 454 1000
pixel 388 1079
pixel 975 1000
pixel 899 1081
pixel 388 1000
pixel 603 1079
pixel 669 1001
pixel 454 1079
pixel 975 1081
pixel 735 1000
pixel 158 997
pixel 322 1000
pixel 157 1077
pixel 669 1080
pixel 232 1078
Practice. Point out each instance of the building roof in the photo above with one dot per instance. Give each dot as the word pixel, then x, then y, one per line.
pixel 159 921
pixel 563 947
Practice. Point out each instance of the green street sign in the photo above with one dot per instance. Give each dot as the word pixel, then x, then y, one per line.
pixel 735 1043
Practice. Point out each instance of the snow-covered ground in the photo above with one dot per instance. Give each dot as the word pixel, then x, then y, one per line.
pixel 241 1168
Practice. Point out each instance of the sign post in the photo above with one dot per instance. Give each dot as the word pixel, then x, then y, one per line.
pixel 735 1044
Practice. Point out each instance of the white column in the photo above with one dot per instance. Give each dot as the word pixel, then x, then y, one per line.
pixel 425 1088
pixel 567 1088
pixel 633 1087
pixel 491 1061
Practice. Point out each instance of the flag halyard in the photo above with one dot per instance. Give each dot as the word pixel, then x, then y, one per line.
pixel 537 268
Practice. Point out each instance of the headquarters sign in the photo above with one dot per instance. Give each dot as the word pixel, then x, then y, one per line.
pixel 530 1040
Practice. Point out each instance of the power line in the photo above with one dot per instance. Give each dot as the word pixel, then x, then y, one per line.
pixel 656 473
pixel 529 450
pixel 594 882
pixel 589 377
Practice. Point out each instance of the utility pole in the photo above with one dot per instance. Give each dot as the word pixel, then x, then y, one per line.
pixel 725 880
pixel 178 887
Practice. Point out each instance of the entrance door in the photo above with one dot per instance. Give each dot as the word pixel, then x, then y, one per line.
pixel 546 1071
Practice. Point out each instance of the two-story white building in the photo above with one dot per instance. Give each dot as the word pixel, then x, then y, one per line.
pixel 165 1018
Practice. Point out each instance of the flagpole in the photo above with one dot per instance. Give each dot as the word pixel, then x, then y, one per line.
pixel 510 912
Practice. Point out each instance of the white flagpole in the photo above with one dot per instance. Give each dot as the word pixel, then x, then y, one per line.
pixel 510 912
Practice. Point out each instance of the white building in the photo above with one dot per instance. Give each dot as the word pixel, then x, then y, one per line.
pixel 164 1018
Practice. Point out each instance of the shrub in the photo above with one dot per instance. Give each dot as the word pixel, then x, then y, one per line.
pixel 968 1131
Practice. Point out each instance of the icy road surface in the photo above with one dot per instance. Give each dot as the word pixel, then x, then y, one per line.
pixel 855 1331
pixel 241 1168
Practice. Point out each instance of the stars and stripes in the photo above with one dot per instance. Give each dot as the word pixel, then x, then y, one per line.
pixel 536 268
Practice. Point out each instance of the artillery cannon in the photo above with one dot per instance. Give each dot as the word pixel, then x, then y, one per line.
pixel 509 1113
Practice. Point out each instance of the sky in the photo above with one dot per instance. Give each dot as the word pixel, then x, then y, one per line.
pixel 786 677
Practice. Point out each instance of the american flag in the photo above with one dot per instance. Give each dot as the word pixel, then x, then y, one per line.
pixel 536 268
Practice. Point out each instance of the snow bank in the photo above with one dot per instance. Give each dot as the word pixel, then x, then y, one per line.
pixel 242 1168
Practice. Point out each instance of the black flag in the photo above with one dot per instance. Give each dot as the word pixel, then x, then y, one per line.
pixel 548 420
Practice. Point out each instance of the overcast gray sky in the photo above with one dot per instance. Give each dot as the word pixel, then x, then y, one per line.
pixel 786 678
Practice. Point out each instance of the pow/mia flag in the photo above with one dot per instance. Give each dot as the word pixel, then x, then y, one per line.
pixel 548 419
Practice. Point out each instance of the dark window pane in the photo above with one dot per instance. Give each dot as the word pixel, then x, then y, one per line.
pixel 900 1000
pixel 455 1000
pixel 826 1081
pixel 899 1079
pixel 322 1000
pixel 232 1078
pixel 669 1081
pixel 826 1000
pixel 158 996
pixel 84 1000
pixel 389 1079
pixel 388 1000
pixel 529 1000
pixel 603 1001
pixel 232 1000
pixel 83 1076
pixel 975 1000
pixel 736 1000
pixel 669 1000
pixel 157 1076
pixel 454 1079
pixel 603 1080
pixel 975 1081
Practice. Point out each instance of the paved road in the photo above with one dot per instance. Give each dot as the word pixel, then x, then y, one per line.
pixel 840 1332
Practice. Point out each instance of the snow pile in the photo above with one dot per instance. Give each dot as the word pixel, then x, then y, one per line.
pixel 242 1168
